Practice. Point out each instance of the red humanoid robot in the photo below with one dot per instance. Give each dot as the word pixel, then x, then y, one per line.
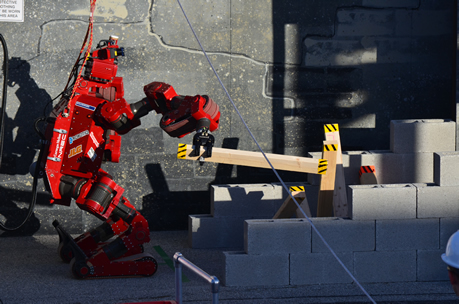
pixel 83 131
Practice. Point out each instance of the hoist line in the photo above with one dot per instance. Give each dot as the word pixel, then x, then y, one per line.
pixel 272 167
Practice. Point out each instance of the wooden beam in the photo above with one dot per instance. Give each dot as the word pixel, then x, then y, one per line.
pixel 327 182
pixel 255 159
pixel 340 206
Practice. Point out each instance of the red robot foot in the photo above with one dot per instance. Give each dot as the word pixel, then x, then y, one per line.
pixel 89 242
pixel 122 257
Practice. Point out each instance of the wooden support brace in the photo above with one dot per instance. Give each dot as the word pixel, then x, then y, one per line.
pixel 327 182
pixel 289 208
pixel 340 206
pixel 255 159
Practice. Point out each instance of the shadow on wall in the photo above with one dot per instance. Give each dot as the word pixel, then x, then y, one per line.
pixel 361 80
pixel 11 215
pixel 21 142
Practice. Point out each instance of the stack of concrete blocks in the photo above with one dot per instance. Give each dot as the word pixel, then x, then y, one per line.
pixel 231 205
pixel 397 229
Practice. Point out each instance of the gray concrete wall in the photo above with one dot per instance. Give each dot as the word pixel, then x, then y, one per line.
pixel 289 67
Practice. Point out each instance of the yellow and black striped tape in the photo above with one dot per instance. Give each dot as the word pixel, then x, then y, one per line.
pixel 323 164
pixel 296 188
pixel 181 152
pixel 331 128
pixel 330 148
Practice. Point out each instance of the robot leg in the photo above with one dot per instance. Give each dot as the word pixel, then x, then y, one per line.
pixel 89 241
pixel 122 257
pixel 94 191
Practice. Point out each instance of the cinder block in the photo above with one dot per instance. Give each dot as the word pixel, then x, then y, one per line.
pixel 446 168
pixel 245 200
pixel 430 266
pixel 206 231
pixel 421 234
pixel 373 202
pixel 385 266
pixel 241 269
pixel 434 201
pixel 277 236
pixel 248 200
pixel 422 135
pixel 448 226
pixel 388 166
pixel 320 268
pixel 343 235
pixel 394 168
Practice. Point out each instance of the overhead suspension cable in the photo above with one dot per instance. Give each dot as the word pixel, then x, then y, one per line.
pixel 272 167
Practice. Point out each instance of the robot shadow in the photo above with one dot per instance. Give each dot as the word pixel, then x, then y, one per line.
pixel 13 215
pixel 20 140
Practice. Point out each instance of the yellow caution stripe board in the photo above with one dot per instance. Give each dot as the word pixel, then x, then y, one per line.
pixel 331 147
pixel 181 153
pixel 255 159
pixel 296 188
pixel 331 128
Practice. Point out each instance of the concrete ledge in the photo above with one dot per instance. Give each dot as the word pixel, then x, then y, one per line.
pixel 391 201
pixel 448 226
pixel 277 236
pixel 430 266
pixel 241 269
pixel 446 168
pixel 407 234
pixel 206 231
pixel 319 268
pixel 385 266
pixel 422 135
pixel 251 200
pixel 343 235
pixel 434 201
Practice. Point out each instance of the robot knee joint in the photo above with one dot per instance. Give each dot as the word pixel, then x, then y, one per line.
pixel 71 186
pixel 125 213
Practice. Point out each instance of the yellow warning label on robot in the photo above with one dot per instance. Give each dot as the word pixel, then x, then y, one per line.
pixel 331 128
pixel 323 164
pixel 296 188
pixel 181 152
pixel 330 147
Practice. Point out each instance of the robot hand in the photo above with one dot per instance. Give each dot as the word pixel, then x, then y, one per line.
pixel 184 114
pixel 205 139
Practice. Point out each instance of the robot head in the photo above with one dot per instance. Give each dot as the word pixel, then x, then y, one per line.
pixel 103 63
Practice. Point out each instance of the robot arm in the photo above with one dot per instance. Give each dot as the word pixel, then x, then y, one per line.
pixel 185 114
pixel 181 114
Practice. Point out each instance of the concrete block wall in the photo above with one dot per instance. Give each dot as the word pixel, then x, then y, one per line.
pixel 413 144
pixel 404 250
pixel 396 231
pixel 231 205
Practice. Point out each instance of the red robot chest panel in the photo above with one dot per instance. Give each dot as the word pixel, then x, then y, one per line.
pixel 85 145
